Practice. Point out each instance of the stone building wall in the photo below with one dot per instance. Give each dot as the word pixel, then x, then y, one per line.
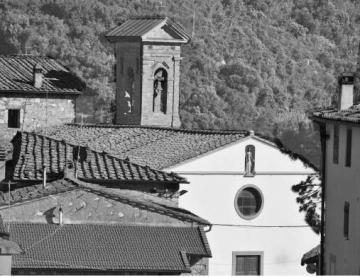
pixel 128 82
pixel 33 113
pixel 136 64
pixel 168 58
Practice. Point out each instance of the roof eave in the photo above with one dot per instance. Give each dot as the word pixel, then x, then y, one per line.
pixel 320 119
pixel 40 92
pixel 113 181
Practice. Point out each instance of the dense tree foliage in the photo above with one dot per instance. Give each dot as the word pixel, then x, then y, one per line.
pixel 309 199
pixel 251 64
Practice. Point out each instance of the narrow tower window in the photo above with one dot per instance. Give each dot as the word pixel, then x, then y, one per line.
pixel 346 219
pixel 160 91
pixel 348 147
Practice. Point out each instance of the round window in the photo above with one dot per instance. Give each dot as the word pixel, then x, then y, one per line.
pixel 248 202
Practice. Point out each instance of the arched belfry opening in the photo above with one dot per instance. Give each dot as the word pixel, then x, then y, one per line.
pixel 160 90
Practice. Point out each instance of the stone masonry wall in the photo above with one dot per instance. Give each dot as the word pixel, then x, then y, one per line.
pixel 135 68
pixel 128 82
pixel 33 113
pixel 168 58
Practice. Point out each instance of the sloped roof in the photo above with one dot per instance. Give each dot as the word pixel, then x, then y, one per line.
pixel 139 26
pixel 108 247
pixel 351 115
pixel 23 194
pixel 33 151
pixel 16 76
pixel 155 146
pixel 312 256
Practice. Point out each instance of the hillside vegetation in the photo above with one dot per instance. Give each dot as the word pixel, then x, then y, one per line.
pixel 251 64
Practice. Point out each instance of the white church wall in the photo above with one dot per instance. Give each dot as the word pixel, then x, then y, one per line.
pixel 216 178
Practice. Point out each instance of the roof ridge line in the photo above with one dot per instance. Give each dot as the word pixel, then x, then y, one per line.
pixel 147 17
pixel 209 131
pixel 25 56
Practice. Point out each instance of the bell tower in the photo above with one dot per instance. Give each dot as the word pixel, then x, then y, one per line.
pixel 147 51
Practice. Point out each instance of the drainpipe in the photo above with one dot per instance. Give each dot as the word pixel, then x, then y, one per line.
pixel 323 138
pixel 173 94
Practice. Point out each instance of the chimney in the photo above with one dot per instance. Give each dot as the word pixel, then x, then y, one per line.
pixel 346 98
pixel 61 222
pixel 38 75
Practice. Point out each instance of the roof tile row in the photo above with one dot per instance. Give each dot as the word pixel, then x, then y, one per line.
pixel 33 152
pixel 107 247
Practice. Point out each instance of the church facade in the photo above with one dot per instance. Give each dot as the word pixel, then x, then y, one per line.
pixel 244 190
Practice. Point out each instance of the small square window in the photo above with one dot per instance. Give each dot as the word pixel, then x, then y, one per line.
pixel 14 118
pixel 247 263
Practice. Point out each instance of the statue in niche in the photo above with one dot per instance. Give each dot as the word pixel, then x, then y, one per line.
pixel 250 160
pixel 129 90
pixel 160 91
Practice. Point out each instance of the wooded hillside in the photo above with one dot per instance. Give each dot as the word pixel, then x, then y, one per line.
pixel 251 64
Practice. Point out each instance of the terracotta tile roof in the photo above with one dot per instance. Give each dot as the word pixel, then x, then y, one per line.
pixel 16 76
pixel 31 152
pixel 107 247
pixel 351 115
pixel 21 194
pixel 152 146
pixel 139 26
pixel 311 256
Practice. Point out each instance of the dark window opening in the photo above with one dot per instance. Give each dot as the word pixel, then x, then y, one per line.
pixel 14 118
pixel 247 265
pixel 346 219
pixel 336 145
pixel 348 147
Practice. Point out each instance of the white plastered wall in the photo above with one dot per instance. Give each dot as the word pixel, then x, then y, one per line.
pixel 216 177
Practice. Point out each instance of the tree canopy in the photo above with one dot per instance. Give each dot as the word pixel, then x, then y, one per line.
pixel 251 64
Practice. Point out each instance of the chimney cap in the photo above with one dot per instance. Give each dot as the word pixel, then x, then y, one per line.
pixel 38 66
pixel 347 78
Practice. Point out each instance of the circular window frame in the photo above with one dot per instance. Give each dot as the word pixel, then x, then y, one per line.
pixel 250 217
